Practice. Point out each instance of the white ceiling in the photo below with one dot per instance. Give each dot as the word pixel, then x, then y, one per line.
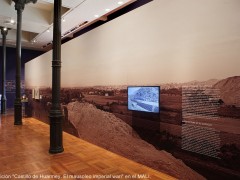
pixel 37 20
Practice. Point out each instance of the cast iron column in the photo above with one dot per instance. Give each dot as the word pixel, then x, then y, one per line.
pixel 4 32
pixel 19 7
pixel 55 112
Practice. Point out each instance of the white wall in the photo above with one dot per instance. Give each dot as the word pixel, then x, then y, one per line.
pixel 162 42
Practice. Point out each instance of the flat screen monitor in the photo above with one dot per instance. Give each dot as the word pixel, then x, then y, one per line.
pixel 144 98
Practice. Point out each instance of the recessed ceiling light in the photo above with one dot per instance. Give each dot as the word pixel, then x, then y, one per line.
pixel 12 21
pixel 48 30
pixel 5 29
pixel 63 20
pixel 96 15
pixel 107 10
pixel 120 2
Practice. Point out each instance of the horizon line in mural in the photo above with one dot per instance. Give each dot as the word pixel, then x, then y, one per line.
pixel 208 82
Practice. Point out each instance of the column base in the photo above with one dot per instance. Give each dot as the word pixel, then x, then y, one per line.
pixel 56 150
pixel 17 112
pixel 56 145
pixel 3 106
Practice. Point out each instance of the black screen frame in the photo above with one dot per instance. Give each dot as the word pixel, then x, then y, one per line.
pixel 159 91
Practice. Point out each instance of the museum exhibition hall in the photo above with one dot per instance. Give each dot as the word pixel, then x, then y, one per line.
pixel 120 89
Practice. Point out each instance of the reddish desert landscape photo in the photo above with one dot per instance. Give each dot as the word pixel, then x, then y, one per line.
pixel 100 115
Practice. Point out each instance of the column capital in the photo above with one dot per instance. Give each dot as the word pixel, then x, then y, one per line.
pixel 20 4
pixel 4 31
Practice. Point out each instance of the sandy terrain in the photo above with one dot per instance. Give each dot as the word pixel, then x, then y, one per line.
pixel 106 130
pixel 229 90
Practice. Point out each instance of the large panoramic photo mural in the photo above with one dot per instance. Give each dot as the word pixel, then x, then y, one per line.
pixel 195 71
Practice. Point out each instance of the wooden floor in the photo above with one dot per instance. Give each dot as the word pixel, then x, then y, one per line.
pixel 24 155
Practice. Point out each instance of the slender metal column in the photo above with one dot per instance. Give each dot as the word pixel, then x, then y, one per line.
pixel 17 103
pixel 19 7
pixel 56 145
pixel 4 32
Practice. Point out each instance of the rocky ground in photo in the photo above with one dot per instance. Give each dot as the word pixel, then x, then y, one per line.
pixel 106 130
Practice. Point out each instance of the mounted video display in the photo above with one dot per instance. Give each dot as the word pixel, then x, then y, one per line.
pixel 144 98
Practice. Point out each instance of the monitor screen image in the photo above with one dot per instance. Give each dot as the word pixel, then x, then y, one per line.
pixel 144 98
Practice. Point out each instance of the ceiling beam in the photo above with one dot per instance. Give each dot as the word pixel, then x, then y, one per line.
pixel 39 17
